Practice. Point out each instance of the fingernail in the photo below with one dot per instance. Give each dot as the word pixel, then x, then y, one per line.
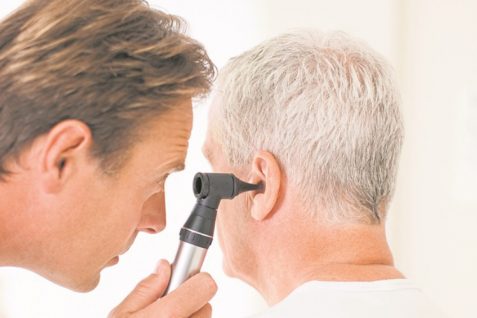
pixel 160 266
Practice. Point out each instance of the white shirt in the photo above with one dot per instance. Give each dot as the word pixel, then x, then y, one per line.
pixel 394 298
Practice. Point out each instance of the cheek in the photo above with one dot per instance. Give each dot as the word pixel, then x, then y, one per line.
pixel 233 230
pixel 126 212
pixel 226 239
pixel 118 218
pixel 231 224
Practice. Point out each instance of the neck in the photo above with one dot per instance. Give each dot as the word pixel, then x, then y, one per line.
pixel 328 253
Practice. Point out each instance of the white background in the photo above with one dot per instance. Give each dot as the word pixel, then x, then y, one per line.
pixel 432 45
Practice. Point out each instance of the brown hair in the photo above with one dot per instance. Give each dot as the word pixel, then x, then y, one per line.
pixel 108 63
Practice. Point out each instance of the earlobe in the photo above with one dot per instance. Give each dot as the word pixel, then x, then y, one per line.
pixel 266 169
pixel 65 145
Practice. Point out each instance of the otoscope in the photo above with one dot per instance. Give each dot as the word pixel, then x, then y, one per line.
pixel 198 231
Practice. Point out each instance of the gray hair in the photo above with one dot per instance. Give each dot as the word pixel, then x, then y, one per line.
pixel 327 107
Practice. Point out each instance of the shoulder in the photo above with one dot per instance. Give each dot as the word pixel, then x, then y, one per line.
pixel 392 299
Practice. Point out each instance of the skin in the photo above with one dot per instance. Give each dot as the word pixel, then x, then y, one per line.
pixel 271 242
pixel 62 217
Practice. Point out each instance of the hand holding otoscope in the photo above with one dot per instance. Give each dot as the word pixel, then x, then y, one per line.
pixel 197 233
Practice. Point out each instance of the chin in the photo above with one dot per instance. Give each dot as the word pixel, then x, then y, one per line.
pixel 86 285
pixel 81 284
pixel 227 269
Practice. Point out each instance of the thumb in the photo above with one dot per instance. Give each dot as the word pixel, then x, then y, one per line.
pixel 148 290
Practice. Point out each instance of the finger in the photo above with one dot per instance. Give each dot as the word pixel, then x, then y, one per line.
pixel 148 290
pixel 204 312
pixel 187 299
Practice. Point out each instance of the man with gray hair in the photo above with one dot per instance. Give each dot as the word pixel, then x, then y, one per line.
pixel 315 117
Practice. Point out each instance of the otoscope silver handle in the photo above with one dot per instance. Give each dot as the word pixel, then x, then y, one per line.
pixel 188 262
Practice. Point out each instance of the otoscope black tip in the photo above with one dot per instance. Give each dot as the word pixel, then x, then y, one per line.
pixel 241 186
pixel 260 186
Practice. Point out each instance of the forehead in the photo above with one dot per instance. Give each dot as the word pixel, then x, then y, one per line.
pixel 213 117
pixel 215 105
pixel 163 140
pixel 211 148
pixel 171 124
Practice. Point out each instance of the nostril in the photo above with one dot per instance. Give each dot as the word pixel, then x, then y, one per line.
pixel 152 226
pixel 156 228
pixel 150 231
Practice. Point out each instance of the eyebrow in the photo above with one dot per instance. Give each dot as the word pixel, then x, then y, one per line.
pixel 175 166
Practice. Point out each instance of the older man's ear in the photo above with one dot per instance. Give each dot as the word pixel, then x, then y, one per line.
pixel 265 169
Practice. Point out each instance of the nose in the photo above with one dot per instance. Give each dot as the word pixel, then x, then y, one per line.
pixel 153 217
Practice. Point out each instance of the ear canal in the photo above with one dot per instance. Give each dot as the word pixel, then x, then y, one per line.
pixel 62 163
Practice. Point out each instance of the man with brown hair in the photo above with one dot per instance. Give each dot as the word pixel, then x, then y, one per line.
pixel 95 112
